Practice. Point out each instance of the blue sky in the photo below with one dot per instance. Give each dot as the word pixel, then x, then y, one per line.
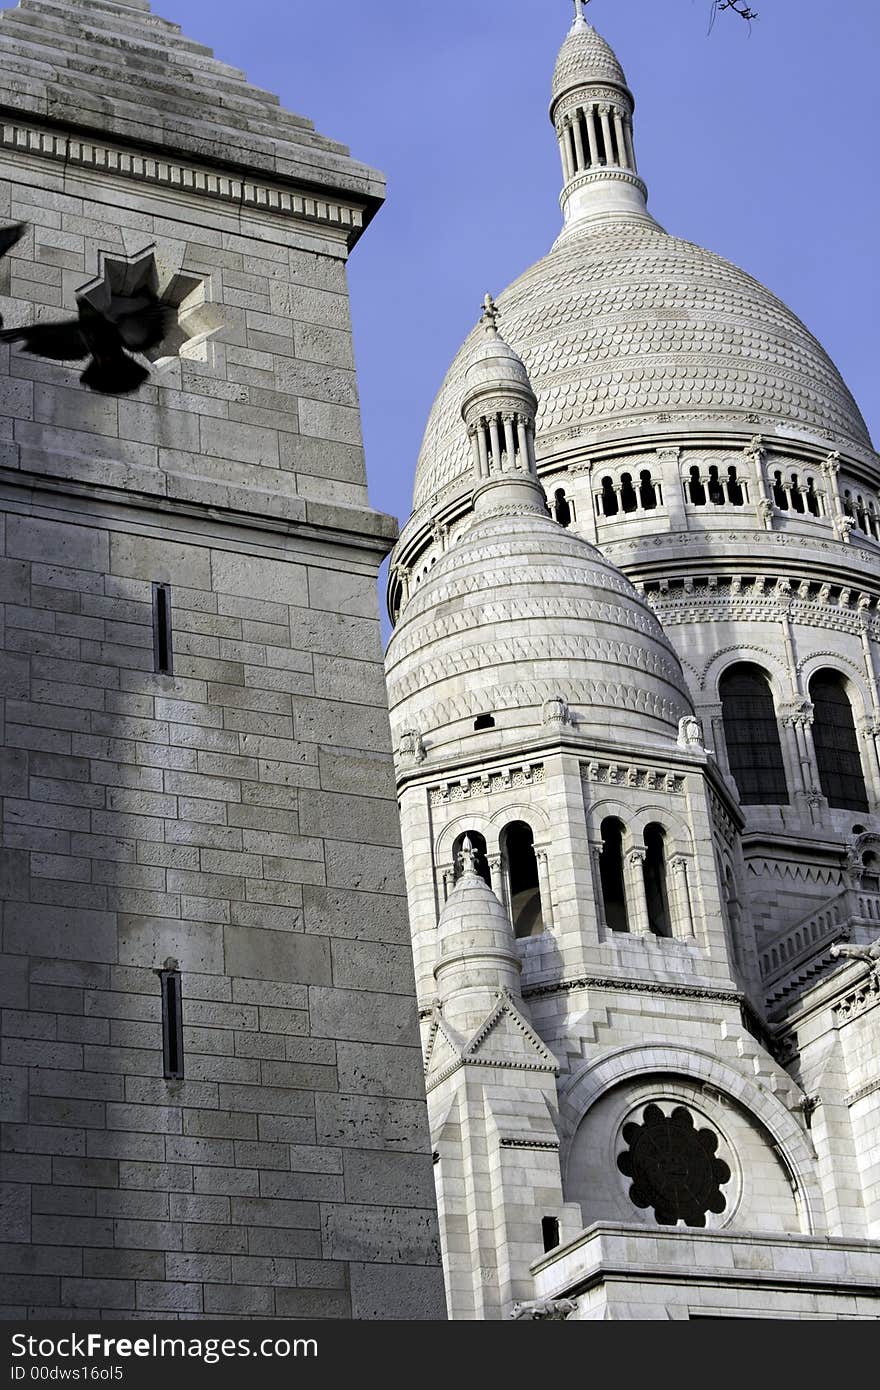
pixel 761 146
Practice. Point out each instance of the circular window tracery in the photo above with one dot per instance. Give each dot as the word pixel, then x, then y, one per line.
pixel 673 1167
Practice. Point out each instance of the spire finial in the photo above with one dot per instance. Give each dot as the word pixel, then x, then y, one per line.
pixel 466 857
pixel 579 17
pixel 489 316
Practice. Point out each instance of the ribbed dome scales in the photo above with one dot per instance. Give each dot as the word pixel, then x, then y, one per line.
pixel 517 613
pixel 623 327
pixel 585 57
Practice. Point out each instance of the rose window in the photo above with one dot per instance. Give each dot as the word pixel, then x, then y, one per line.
pixel 673 1167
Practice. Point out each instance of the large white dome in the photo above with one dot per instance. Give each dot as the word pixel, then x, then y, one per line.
pixel 623 328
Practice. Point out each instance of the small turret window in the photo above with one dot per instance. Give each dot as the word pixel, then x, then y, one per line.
pixel 611 873
pixel 484 721
pixel 654 869
pixel 562 507
pixel 521 867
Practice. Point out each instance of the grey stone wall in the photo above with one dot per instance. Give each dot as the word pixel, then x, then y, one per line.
pixel 237 817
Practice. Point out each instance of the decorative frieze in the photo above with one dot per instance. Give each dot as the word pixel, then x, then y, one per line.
pixel 859 1000
pixel 486 783
pixel 182 178
pixel 627 775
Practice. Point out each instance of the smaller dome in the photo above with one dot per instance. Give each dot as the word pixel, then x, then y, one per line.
pixel 491 363
pixel 474 921
pixel 585 57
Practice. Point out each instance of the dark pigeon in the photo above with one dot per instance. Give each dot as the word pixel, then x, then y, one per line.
pixel 132 324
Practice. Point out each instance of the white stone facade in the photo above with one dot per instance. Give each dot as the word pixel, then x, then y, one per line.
pixel 637 766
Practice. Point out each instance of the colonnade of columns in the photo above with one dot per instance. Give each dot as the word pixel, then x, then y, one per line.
pixel 596 135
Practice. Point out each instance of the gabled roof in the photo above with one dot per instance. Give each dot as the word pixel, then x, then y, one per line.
pixel 114 67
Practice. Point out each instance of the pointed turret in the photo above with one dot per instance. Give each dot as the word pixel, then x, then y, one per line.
pixel 592 109
pixel 477 952
pixel 499 408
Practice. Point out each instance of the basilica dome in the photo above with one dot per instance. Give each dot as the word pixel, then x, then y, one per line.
pixel 518 619
pixel 624 328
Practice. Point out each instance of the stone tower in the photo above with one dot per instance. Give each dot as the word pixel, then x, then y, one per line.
pixel 212 1092
pixel 633 692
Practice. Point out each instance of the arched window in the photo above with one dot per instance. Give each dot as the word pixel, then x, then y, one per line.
pixel 478 845
pixel 695 487
pixel 812 497
pixel 608 503
pixel 611 873
pixel 518 851
pixel 561 507
pixel 654 869
pixel 647 490
pixel 751 733
pixel 715 488
pixel 870 872
pixel 628 497
pixel 836 743
pixel 780 496
pixel 734 488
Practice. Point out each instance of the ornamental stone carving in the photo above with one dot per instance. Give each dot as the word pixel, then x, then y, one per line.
pixel 412 747
pixel 690 733
pixel 544 1310
pixel 556 711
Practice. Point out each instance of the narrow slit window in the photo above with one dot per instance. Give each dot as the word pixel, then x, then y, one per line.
pixel 172 1024
pixel 550 1232
pixel 162 653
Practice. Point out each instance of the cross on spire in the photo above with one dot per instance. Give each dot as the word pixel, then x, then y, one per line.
pixel 489 316
pixel 579 11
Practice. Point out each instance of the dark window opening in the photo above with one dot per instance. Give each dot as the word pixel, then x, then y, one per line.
pixel 654 869
pixel 518 848
pixel 836 743
pixel 797 497
pixel 847 504
pixel 611 874
pixel 647 491
pixel 695 488
pixel 561 507
pixel 608 500
pixel 751 733
pixel 550 1232
pixel 870 872
pixel 484 721
pixel 734 488
pixel 628 499
pixel 478 845
pixel 716 490
pixel 172 1024
pixel 779 494
pixel 812 498
pixel 600 139
pixel 162 654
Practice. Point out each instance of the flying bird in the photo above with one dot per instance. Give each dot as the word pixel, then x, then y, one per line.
pixel 9 236
pixel 129 324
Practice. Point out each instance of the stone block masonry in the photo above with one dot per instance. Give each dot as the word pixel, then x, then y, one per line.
pixel 232 818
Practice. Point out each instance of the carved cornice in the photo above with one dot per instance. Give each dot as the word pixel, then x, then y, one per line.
pixel 603 175
pixel 169 173
pixel 515 1141
pixel 859 1094
pixel 611 982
